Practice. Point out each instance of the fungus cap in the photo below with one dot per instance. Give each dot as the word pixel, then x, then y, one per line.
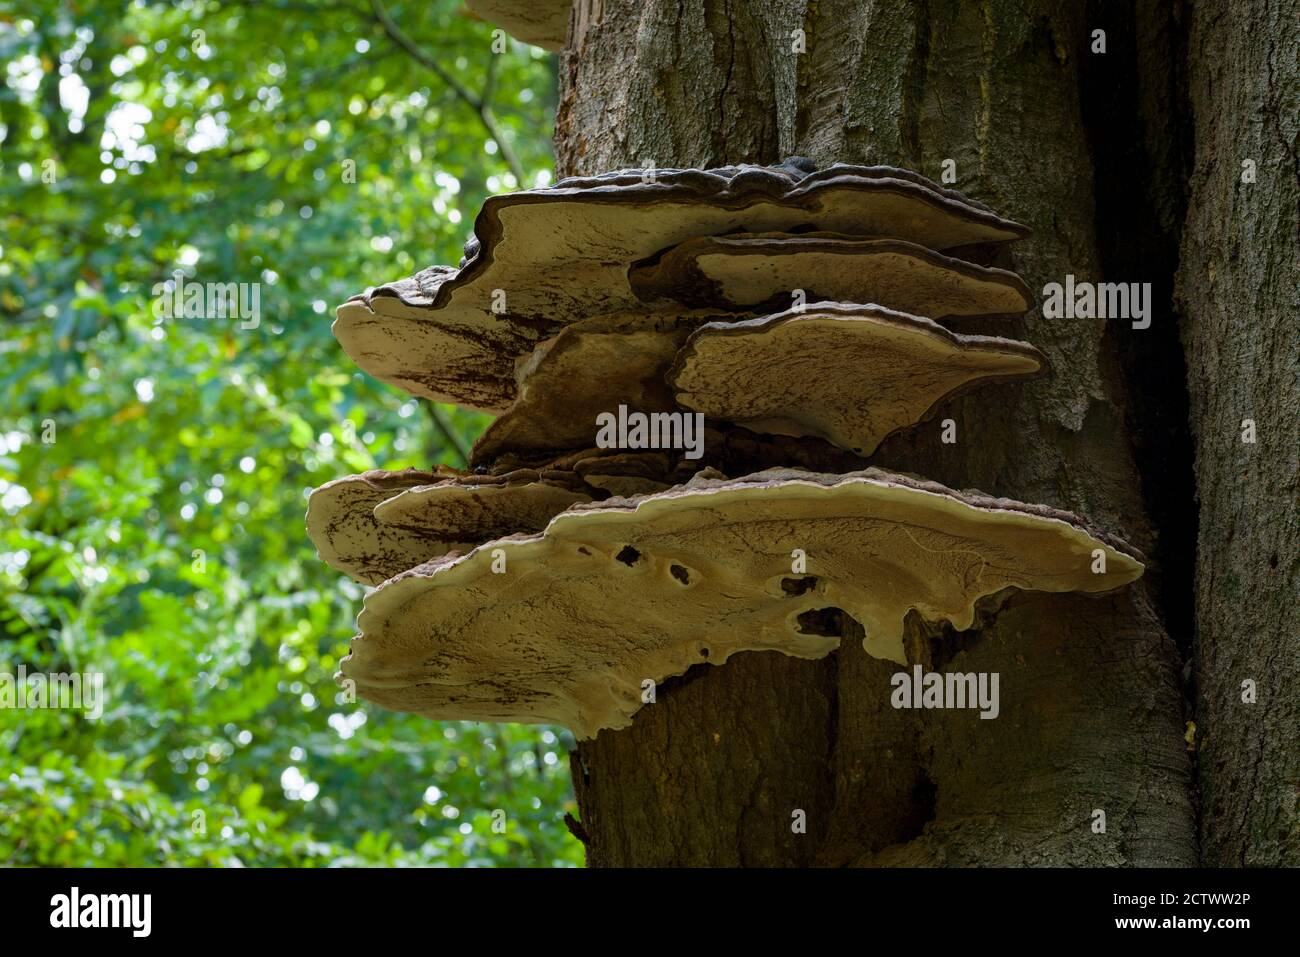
pixel 342 525
pixel 590 367
pixel 375 525
pixel 543 23
pixel 543 258
pixel 750 270
pixel 846 373
pixel 851 374
pixel 617 593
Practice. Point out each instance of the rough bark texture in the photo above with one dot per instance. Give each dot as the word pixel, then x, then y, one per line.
pixel 1238 286
pixel 1092 705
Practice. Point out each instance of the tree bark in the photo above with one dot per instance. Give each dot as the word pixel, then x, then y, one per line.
pixel 1238 285
pixel 1093 714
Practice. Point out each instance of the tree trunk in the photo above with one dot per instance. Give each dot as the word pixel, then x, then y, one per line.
pixel 1093 712
pixel 1238 285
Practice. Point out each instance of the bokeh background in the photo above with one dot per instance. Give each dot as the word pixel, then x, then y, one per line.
pixel 316 148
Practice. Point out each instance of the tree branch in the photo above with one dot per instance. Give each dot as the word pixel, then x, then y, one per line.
pixel 507 151
pixel 479 104
pixel 490 77
pixel 490 120
pixel 448 433
pixel 396 34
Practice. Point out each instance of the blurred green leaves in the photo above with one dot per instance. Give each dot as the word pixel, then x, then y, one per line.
pixel 153 471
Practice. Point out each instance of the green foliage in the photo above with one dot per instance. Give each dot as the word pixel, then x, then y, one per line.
pixel 153 470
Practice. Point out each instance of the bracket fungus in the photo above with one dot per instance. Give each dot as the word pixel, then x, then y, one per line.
pixel 850 374
pixel 375 525
pixel 759 269
pixel 556 580
pixel 543 23
pixel 614 593
pixel 342 525
pixel 588 368
pixel 543 258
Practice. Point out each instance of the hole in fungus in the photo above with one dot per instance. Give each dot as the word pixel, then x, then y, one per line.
pixel 680 573
pixel 822 621
pixel 798 586
pixel 628 555
pixel 704 652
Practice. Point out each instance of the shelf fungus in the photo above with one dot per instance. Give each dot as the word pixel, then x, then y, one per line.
pixel 541 259
pixel 543 23
pixel 375 525
pixel 568 625
pixel 850 374
pixel 847 373
pixel 342 525
pixel 751 270
pixel 580 563
pixel 590 367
